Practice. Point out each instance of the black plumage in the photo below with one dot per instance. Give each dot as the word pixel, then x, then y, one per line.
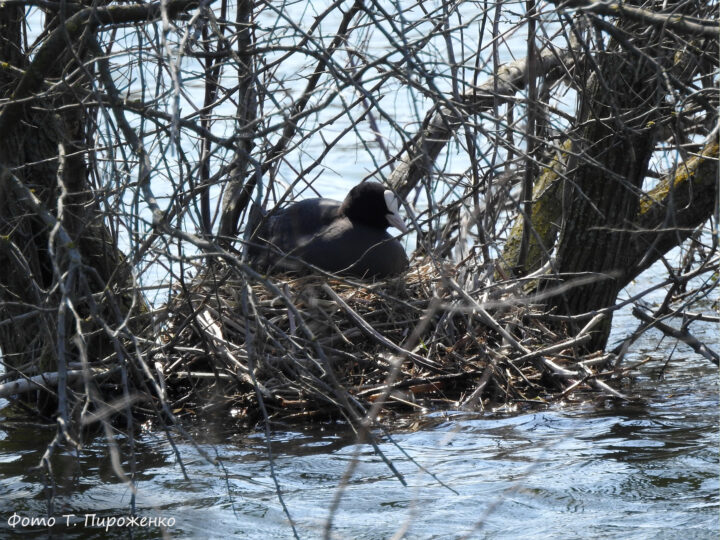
pixel 347 237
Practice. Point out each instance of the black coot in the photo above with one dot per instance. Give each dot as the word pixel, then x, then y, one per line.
pixel 346 237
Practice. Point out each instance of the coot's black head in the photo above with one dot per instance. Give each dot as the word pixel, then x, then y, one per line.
pixel 374 205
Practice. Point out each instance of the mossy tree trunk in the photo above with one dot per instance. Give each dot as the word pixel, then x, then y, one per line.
pixel 588 201
pixel 601 195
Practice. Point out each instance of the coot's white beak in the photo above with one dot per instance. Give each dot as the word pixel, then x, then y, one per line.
pixel 393 216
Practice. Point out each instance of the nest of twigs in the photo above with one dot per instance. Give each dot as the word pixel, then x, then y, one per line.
pixel 294 347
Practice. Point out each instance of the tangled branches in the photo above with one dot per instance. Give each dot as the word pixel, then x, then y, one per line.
pixel 332 348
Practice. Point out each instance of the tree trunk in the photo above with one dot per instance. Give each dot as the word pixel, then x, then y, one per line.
pixel 601 195
pixel 45 151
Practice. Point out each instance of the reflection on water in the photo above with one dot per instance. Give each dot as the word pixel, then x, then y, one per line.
pixel 593 469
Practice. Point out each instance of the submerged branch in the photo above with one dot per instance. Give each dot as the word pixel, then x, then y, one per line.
pixel 682 335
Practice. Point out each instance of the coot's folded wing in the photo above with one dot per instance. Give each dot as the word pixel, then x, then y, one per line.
pixel 352 249
pixel 283 231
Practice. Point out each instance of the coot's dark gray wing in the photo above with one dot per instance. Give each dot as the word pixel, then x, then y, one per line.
pixel 349 248
pixel 284 231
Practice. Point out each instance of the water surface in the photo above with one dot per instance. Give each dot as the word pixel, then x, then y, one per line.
pixel 591 468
